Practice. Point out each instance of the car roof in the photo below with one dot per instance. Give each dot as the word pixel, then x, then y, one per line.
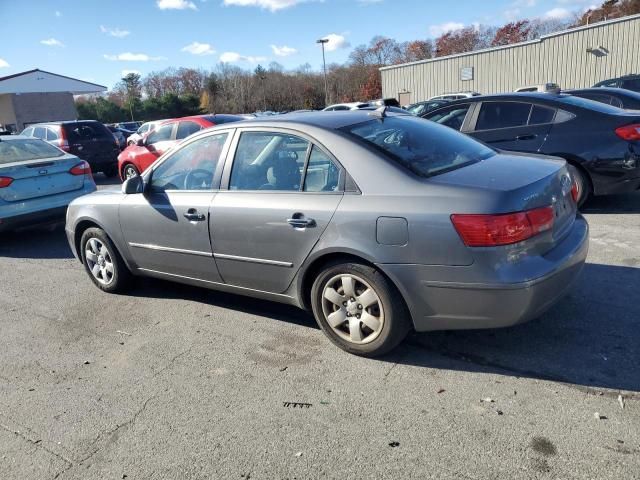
pixel 62 122
pixel 611 90
pixel 4 138
pixel 324 120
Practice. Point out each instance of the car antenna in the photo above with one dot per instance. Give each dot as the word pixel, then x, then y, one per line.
pixel 379 112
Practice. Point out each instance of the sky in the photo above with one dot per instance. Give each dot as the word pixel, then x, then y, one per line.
pixel 102 40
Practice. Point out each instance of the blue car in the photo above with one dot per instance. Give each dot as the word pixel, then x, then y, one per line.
pixel 38 181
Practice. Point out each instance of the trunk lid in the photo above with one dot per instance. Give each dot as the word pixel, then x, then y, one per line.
pixel 40 178
pixel 521 182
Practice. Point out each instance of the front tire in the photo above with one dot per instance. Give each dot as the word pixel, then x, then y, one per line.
pixel 103 263
pixel 129 171
pixel 359 309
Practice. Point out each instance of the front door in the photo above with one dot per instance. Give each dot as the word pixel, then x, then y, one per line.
pixel 156 144
pixel 282 193
pixel 517 126
pixel 167 227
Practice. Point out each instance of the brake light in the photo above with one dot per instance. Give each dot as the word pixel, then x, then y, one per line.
pixel 504 229
pixel 629 132
pixel 5 181
pixel 81 168
pixel 574 191
pixel 64 143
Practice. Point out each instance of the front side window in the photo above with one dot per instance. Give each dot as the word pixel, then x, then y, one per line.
pixel 452 117
pixel 162 134
pixel 28 132
pixel 633 84
pixel 503 115
pixel 421 147
pixel 268 161
pixel 191 167
pixel 322 173
pixel 187 128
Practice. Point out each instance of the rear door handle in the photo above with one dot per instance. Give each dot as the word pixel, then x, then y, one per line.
pixel 193 216
pixel 526 137
pixel 298 220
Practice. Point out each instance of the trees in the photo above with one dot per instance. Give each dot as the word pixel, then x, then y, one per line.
pixel 513 32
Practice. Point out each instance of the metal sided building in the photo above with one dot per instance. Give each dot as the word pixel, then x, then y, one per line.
pixel 575 58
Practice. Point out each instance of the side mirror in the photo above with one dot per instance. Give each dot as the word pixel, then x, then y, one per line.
pixel 133 185
pixel 140 142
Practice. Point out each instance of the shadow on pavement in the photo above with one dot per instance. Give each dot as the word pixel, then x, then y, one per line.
pixel 42 241
pixel 589 339
pixel 612 204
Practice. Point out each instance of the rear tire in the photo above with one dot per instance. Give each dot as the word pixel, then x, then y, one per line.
pixel 103 263
pixel 359 309
pixel 584 189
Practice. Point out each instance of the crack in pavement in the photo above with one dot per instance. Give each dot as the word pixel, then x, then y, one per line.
pixel 36 443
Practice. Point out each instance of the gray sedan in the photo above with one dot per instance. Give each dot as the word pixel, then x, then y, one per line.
pixel 377 222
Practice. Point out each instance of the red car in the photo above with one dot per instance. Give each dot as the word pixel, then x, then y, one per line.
pixel 136 158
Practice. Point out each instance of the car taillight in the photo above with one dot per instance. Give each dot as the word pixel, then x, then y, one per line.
pixel 629 132
pixel 574 191
pixel 81 168
pixel 63 142
pixel 5 181
pixel 504 229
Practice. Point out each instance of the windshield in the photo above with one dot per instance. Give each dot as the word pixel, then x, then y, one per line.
pixel 27 149
pixel 421 146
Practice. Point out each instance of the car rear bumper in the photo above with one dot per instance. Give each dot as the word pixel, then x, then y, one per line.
pixel 34 218
pixel 452 305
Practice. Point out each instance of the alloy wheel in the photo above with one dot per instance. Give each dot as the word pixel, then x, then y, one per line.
pixel 130 172
pixel 99 261
pixel 352 308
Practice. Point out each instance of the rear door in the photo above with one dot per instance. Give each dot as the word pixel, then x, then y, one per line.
pixel 265 225
pixel 37 169
pixel 512 125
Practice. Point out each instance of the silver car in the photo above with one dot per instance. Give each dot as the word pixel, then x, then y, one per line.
pixel 379 223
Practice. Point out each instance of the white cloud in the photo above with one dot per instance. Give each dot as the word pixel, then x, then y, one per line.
pixel 558 13
pixel 114 32
pixel 52 42
pixel 283 51
pixel 197 48
pixel 272 5
pixel 133 57
pixel 437 30
pixel 234 57
pixel 3 63
pixel 336 42
pixel 176 5
pixel 58 13
pixel 124 73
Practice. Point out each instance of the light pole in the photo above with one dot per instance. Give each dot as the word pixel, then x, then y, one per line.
pixel 322 41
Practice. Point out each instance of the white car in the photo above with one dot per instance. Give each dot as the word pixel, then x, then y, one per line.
pixel 455 96
pixel 346 106
pixel 544 88
pixel 142 131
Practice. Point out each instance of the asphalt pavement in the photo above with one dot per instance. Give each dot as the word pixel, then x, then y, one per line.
pixel 177 382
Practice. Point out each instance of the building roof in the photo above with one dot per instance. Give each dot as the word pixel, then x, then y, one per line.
pixel 519 44
pixel 39 81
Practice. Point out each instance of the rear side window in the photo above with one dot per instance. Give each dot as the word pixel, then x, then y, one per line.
pixel 421 147
pixel 452 117
pixel 503 115
pixel 541 115
pixel 187 128
pixel 52 134
pixel 28 149
pixel 40 132
pixel 322 174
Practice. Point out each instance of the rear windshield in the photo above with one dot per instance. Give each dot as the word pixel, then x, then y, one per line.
pixel 421 146
pixel 220 119
pixel 590 104
pixel 76 132
pixel 27 149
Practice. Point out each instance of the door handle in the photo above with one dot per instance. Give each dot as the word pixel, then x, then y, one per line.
pixel 193 216
pixel 526 137
pixel 298 220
